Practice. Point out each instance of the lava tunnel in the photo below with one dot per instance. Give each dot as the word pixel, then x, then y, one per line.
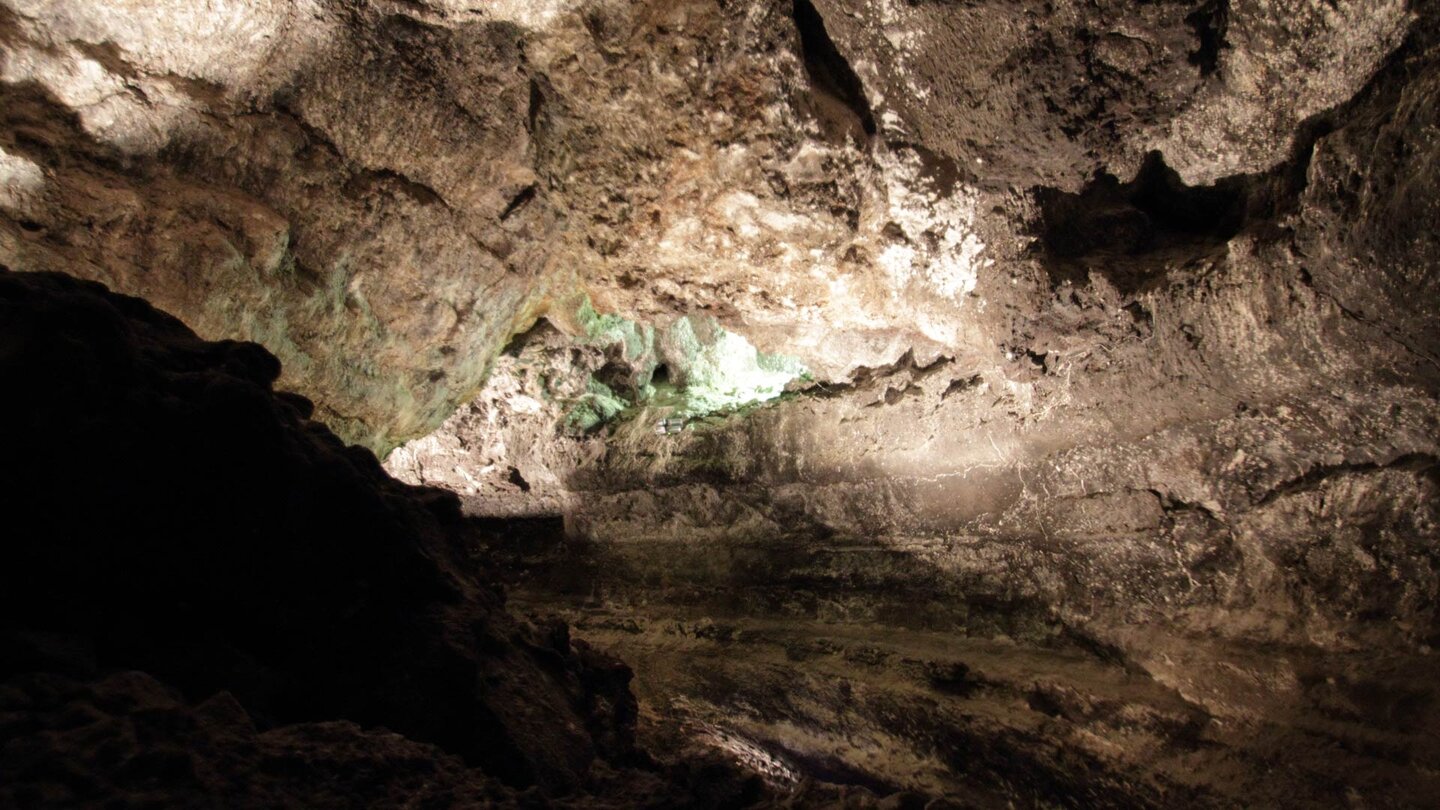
pixel 719 404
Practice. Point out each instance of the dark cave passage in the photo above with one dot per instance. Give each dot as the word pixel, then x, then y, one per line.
pixel 752 404
pixel 1111 227
pixel 831 75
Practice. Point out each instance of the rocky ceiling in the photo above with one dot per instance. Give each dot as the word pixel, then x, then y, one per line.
pixel 1009 401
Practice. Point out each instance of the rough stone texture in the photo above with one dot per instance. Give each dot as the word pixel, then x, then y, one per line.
pixel 307 175
pixel 504 451
pixel 1165 533
pixel 127 740
pixel 224 542
pixel 414 182
pixel 1050 94
pixel 1117 483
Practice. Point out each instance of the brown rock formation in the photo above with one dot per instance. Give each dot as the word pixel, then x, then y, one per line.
pixel 169 513
pixel 1054 385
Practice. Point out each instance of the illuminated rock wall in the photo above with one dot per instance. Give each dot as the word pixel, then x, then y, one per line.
pixel 1059 383
pixel 1159 507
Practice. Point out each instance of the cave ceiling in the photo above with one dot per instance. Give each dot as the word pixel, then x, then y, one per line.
pixel 1091 347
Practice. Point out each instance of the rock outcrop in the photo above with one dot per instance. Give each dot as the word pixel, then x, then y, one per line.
pixel 306 175
pixel 1015 404
pixel 1168 524
pixel 207 599
pixel 383 193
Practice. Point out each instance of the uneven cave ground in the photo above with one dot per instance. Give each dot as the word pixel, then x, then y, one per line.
pixel 720 403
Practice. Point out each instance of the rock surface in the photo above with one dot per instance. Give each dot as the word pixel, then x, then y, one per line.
pixel 307 175
pixel 290 609
pixel 1111 479
pixel 383 193
pixel 1166 525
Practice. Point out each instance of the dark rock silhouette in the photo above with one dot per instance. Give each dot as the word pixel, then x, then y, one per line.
pixel 168 512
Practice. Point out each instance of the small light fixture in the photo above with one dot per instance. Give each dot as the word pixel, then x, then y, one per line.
pixel 668 425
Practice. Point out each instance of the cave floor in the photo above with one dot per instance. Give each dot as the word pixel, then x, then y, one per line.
pixel 993 721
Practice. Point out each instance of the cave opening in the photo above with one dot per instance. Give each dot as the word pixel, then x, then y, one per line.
pixel 839 100
pixel 1129 231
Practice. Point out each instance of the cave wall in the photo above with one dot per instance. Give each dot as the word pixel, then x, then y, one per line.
pixel 1112 479
pixel 416 182
pixel 224 548
pixel 310 176
pixel 1170 514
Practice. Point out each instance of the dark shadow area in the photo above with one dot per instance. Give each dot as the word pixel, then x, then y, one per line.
pixel 540 333
pixel 177 532
pixel 1210 21
pixel 839 100
pixel 1153 213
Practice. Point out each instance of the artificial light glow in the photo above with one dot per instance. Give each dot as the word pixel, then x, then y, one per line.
pixel 717 370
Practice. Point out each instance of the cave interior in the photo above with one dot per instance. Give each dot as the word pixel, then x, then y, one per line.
pixel 720 403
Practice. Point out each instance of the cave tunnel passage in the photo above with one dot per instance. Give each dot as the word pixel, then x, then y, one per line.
pixel 1112 227
pixel 782 403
